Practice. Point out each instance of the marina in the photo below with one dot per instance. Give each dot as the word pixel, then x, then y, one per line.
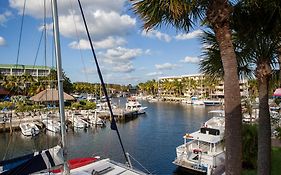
pixel 161 129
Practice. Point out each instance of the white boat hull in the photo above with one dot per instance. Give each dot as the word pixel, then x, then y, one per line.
pixel 29 129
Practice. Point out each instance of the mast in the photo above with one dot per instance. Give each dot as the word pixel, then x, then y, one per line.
pixel 60 84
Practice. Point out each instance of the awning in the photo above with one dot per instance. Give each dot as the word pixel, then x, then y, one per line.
pixel 277 92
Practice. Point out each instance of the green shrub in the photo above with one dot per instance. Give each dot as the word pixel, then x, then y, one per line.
pixel 250 146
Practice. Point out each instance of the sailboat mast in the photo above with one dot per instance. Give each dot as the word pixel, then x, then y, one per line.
pixel 60 84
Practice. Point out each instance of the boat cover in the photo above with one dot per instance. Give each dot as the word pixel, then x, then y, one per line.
pixel 32 163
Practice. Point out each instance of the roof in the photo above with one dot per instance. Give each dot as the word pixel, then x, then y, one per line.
pixel 20 66
pixel 206 137
pixel 50 95
pixel 277 92
pixel 3 91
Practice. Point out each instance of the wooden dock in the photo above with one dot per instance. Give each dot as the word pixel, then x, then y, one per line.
pixel 13 124
pixel 119 113
pixel 14 121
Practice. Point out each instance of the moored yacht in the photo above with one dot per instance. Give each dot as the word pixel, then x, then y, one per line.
pixel 203 150
pixel 133 105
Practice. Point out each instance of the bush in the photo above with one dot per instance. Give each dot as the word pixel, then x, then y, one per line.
pixel 250 146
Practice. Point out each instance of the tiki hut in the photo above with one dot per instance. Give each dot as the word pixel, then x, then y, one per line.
pixel 4 93
pixel 49 96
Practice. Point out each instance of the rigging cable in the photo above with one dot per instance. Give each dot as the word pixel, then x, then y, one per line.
pixel 21 29
pixel 79 47
pixel 113 125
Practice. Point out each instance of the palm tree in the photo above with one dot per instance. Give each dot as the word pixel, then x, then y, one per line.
pixel 183 15
pixel 263 42
pixel 255 45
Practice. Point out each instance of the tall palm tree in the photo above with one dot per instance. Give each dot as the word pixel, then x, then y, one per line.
pixel 254 45
pixel 263 42
pixel 183 15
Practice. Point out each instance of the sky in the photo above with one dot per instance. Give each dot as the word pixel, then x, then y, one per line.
pixel 126 53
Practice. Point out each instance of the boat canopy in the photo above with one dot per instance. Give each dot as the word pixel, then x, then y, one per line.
pixel 206 137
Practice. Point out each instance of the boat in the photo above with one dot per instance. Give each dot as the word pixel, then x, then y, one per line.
pixel 94 119
pixel 133 105
pixel 51 125
pixel 29 129
pixel 196 101
pixel 217 113
pixel 212 102
pixel 203 150
pixel 78 122
pixel 45 162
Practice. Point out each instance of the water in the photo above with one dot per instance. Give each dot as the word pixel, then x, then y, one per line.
pixel 150 138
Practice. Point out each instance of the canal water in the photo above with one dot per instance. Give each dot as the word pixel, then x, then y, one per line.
pixel 151 138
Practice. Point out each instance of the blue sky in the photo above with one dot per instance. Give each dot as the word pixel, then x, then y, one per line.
pixel 125 52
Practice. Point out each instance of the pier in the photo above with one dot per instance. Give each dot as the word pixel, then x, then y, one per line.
pixel 13 120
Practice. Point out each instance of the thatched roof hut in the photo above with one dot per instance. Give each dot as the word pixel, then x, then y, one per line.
pixel 50 95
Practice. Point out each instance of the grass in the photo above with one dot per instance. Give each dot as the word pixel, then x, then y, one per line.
pixel 275 163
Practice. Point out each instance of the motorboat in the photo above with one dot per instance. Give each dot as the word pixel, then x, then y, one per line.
pixel 133 105
pixel 217 113
pixel 212 102
pixel 78 122
pixel 51 125
pixel 94 119
pixel 54 161
pixel 196 101
pixel 29 129
pixel 203 151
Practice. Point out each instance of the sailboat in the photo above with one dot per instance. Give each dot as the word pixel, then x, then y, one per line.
pixel 50 161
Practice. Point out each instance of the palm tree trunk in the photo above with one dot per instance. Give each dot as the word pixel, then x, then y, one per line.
pixel 218 16
pixel 233 115
pixel 264 137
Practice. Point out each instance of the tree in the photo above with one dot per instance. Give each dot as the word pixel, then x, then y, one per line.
pixel 183 15
pixel 263 42
pixel 256 44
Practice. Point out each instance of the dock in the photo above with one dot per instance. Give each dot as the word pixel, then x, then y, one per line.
pixel 13 119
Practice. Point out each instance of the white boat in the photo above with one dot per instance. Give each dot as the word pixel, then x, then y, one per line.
pixel 94 119
pixel 29 129
pixel 212 102
pixel 51 124
pixel 203 151
pixel 78 122
pixel 217 113
pixel 133 105
pixel 196 101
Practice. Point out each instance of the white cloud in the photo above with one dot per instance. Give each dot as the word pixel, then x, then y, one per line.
pixel 124 68
pixel 154 74
pixel 104 18
pixel 82 44
pixel 156 34
pixel 189 59
pixel 119 59
pixel 4 17
pixel 166 66
pixel 35 8
pixel 109 42
pixel 2 41
pixel 190 35
pixel 120 54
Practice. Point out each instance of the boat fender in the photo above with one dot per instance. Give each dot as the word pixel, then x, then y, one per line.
pixel 94 172
pixel 33 132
